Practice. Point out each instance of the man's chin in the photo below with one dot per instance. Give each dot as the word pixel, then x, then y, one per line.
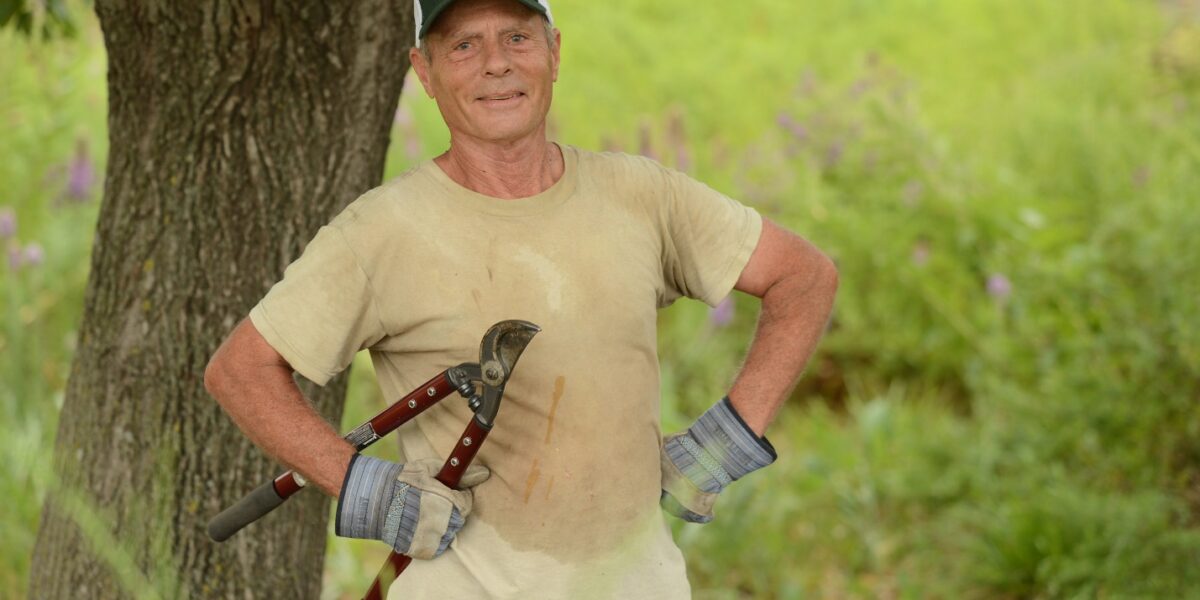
pixel 505 132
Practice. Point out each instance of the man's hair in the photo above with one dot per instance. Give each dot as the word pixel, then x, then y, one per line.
pixel 546 25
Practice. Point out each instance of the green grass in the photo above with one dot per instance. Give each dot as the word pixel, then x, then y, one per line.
pixel 1005 405
pixel 51 115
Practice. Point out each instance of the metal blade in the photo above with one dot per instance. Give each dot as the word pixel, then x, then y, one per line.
pixel 502 345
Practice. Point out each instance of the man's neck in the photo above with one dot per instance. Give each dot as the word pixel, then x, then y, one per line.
pixel 504 171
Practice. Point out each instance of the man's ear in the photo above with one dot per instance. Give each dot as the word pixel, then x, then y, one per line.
pixel 417 58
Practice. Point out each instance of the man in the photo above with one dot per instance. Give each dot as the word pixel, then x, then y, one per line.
pixel 506 224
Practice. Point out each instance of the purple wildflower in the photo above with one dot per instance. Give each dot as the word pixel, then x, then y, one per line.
pixel 404 121
pixel 913 190
pixel 645 148
pixel 8 223
pixel 720 153
pixel 920 253
pixel 15 258
pixel 833 155
pixel 80 174
pixel 870 159
pixel 402 117
pixel 34 255
pixel 412 147
pixel 676 128
pixel 1141 176
pixel 722 314
pixel 807 85
pixel 999 287
pixel 787 123
pixel 683 159
pixel 678 135
pixel 859 87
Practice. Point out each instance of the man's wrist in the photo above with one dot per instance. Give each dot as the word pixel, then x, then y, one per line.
pixel 699 463
pixel 366 493
pixel 761 439
pixel 723 432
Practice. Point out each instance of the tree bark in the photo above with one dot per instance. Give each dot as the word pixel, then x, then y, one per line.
pixel 236 129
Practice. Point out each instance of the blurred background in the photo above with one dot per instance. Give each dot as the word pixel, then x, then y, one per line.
pixel 1006 403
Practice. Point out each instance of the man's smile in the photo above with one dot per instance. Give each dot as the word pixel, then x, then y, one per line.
pixel 501 98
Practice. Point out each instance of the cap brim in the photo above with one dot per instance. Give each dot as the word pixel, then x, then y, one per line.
pixel 432 16
pixel 437 11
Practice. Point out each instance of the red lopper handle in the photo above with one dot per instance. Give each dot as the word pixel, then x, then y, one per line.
pixel 451 473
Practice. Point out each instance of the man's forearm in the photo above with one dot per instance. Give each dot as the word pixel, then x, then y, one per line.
pixel 794 313
pixel 270 410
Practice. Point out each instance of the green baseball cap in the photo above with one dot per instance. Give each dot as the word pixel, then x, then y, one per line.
pixel 425 12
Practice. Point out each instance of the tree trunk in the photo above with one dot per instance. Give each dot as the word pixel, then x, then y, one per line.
pixel 236 129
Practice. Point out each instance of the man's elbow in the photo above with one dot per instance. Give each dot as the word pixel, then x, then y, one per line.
pixel 827 275
pixel 216 375
pixel 245 360
pixel 222 372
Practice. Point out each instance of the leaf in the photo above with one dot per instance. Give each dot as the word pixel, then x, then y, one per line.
pixel 25 23
pixel 50 18
pixel 8 8
pixel 58 10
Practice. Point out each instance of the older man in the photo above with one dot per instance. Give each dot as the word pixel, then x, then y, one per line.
pixel 506 224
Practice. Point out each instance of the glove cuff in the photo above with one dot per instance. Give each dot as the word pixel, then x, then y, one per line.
pixel 367 494
pixel 722 432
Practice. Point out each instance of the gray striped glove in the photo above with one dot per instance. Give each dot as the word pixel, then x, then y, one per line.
pixel 718 449
pixel 404 504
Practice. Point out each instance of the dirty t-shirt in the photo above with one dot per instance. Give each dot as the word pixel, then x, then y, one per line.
pixel 417 269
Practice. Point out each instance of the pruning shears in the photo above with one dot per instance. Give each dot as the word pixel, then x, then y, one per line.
pixel 481 383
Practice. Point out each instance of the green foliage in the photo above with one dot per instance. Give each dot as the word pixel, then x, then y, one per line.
pixel 47 17
pixel 1008 188
pixel 53 150
pixel 1064 541
pixel 1013 236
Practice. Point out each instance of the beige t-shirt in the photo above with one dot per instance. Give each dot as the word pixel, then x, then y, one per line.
pixel 417 269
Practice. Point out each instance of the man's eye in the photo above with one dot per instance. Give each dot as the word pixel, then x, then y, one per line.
pixel 517 37
pixel 463 46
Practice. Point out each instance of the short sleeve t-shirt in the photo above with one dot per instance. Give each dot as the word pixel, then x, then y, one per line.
pixel 417 269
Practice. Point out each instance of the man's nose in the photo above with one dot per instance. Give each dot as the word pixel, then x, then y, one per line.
pixel 496 60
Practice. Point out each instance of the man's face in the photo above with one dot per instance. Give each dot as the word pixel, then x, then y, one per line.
pixel 491 69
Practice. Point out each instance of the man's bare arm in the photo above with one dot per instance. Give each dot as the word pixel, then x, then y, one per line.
pixel 254 384
pixel 797 284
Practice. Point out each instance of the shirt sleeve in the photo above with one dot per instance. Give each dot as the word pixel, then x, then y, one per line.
pixel 707 240
pixel 323 311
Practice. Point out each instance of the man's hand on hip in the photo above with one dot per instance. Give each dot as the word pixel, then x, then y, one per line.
pixel 404 505
pixel 718 449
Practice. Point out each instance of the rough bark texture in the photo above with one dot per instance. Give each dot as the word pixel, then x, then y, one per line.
pixel 236 130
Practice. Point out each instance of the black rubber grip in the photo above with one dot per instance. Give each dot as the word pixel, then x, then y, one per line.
pixel 249 509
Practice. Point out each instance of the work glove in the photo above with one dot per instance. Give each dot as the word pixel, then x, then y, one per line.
pixel 404 505
pixel 718 449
